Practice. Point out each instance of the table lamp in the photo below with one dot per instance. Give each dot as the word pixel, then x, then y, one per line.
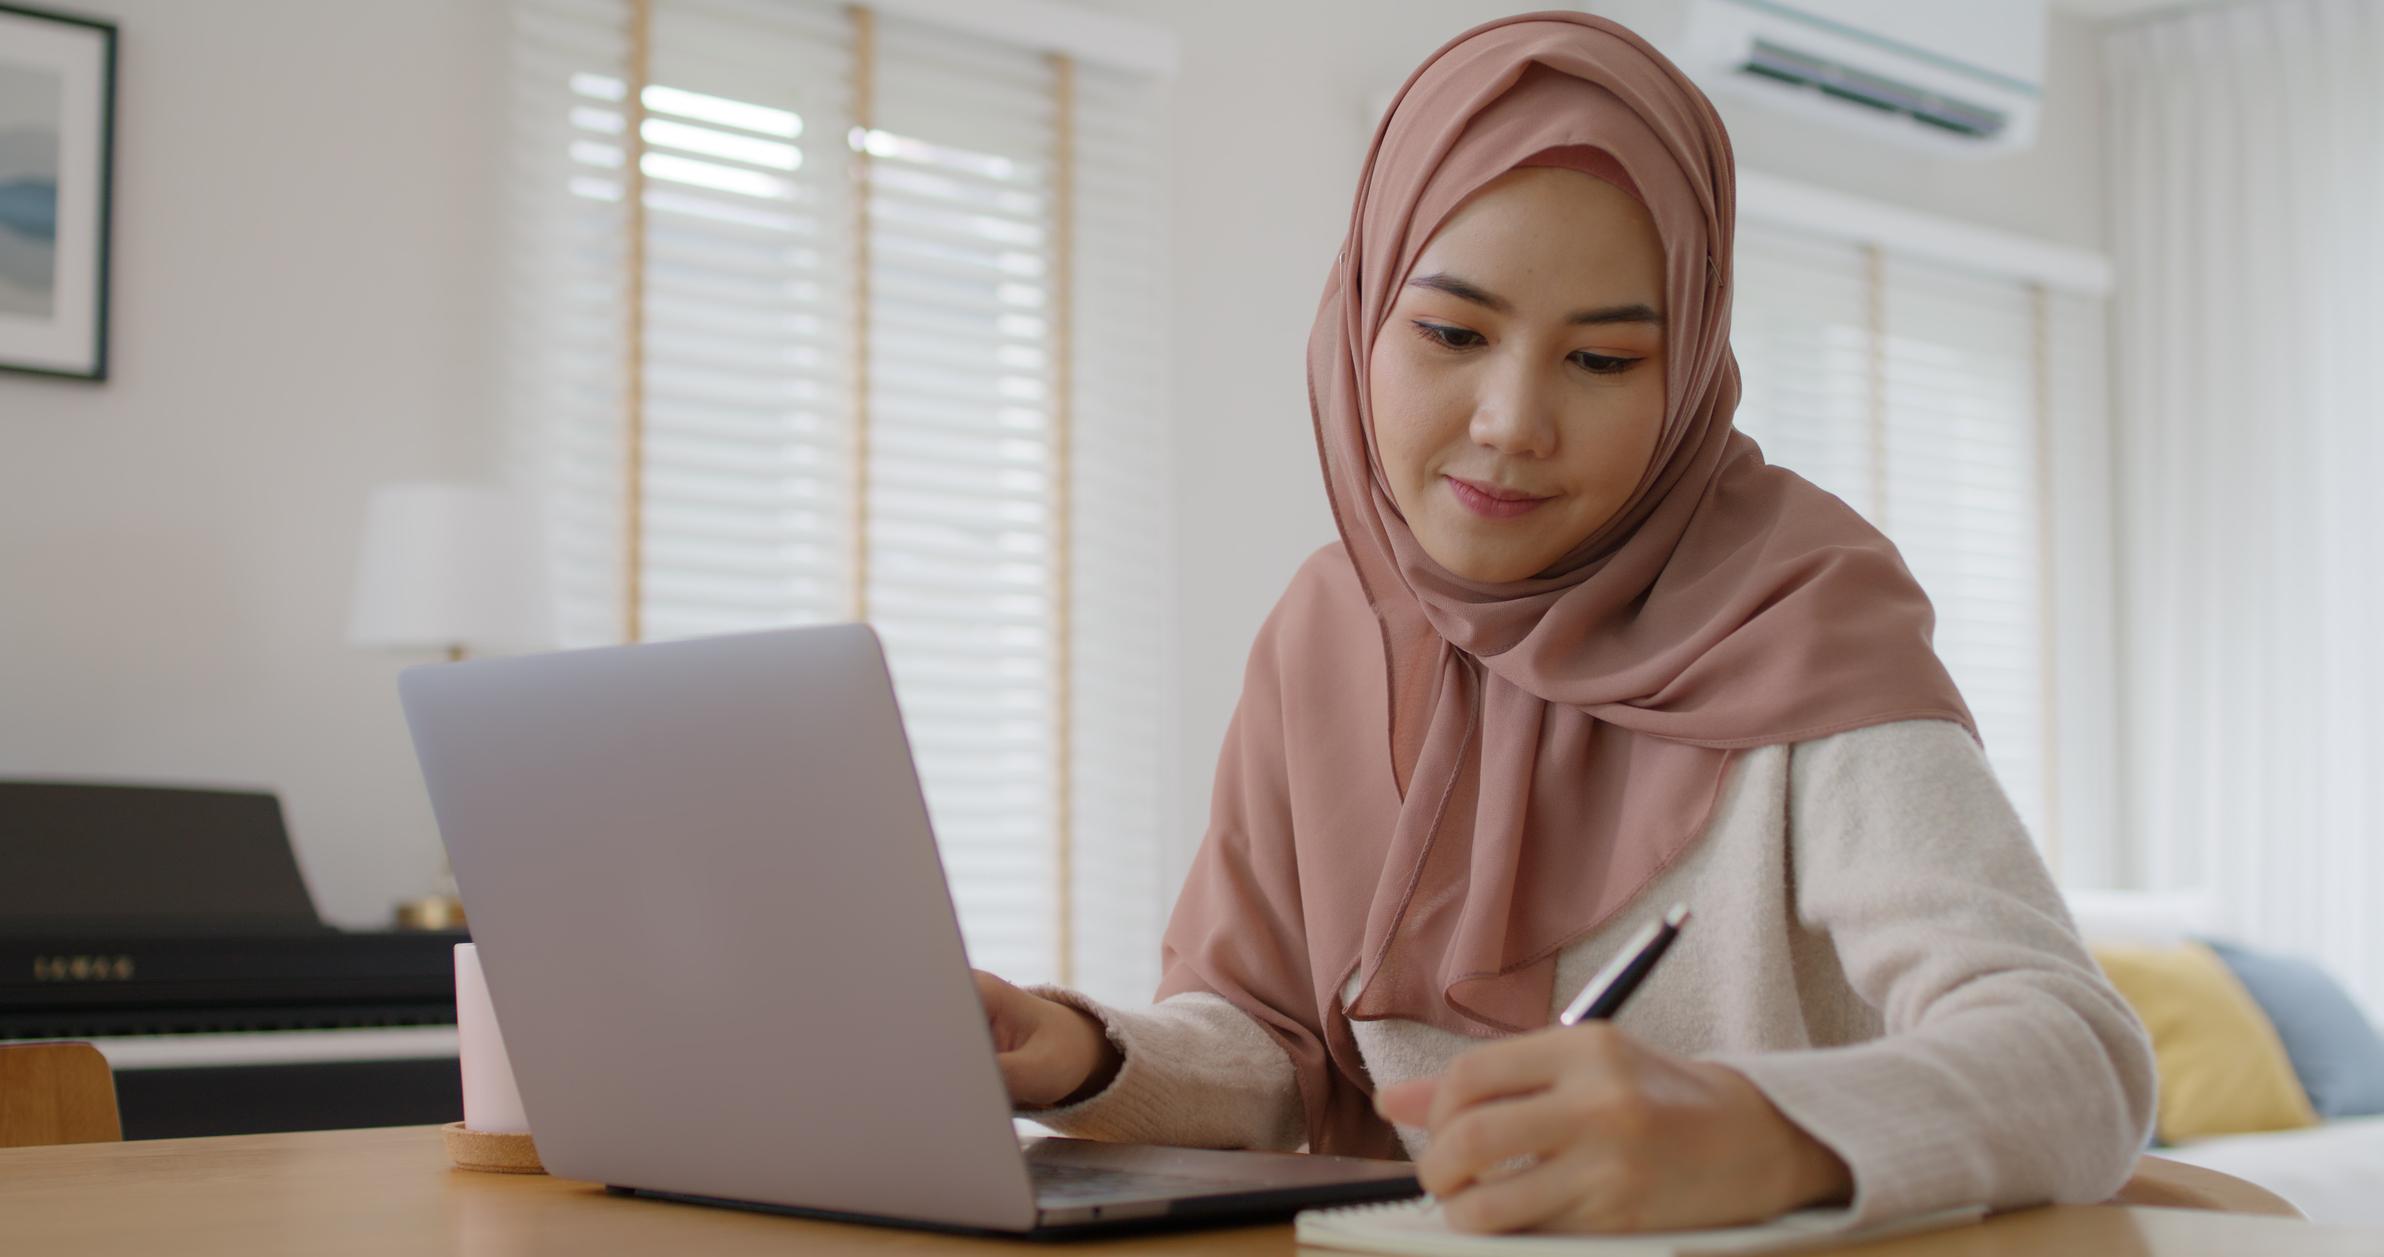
pixel 448 568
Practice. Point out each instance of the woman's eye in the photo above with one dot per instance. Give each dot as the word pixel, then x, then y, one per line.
pixel 1599 364
pixel 1447 337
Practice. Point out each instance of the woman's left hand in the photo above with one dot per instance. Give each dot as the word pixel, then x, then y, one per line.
pixel 1625 1138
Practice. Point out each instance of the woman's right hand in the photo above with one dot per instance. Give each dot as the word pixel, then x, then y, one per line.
pixel 1048 1051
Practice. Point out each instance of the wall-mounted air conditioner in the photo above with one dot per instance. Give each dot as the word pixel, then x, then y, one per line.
pixel 1960 76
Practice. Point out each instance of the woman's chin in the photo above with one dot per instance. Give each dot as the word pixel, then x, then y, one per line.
pixel 1486 561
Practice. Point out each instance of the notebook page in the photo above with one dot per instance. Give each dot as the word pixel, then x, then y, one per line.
pixel 1417 1227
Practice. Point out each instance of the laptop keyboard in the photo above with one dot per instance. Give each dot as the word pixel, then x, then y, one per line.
pixel 1078 1182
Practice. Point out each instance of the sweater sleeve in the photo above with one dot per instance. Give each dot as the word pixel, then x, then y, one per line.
pixel 2009 1071
pixel 1197 1073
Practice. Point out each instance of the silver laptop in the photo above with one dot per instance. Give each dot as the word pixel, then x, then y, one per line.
pixel 720 943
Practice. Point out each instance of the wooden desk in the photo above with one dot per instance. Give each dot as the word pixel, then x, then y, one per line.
pixel 391 1191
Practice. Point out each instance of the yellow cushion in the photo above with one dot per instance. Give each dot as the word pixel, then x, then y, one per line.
pixel 2222 1068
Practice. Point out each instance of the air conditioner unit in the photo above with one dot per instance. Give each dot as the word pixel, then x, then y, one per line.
pixel 1954 76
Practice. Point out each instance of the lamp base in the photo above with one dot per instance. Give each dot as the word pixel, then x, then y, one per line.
pixel 431 912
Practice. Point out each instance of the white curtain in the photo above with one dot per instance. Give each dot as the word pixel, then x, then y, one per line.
pixel 2247 150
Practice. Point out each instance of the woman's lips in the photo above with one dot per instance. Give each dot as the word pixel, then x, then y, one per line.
pixel 1489 501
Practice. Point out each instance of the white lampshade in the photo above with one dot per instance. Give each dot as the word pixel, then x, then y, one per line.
pixel 449 565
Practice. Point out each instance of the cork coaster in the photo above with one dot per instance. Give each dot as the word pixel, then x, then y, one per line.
pixel 483 1150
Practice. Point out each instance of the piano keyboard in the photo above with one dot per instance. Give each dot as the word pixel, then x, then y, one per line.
pixel 277 1047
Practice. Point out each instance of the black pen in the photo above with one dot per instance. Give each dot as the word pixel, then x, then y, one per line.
pixel 1604 995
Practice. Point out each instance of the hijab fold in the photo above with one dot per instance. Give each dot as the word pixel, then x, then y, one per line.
pixel 1547 746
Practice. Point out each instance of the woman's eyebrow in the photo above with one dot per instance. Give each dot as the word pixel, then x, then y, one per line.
pixel 1635 312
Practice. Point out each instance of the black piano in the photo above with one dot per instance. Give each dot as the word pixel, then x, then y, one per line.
pixel 170 928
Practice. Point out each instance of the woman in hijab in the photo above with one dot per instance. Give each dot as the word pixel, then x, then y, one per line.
pixel 1581 653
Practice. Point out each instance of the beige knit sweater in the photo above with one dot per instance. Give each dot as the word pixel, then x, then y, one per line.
pixel 1876 945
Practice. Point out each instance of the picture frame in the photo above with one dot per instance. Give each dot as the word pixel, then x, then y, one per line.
pixel 57 158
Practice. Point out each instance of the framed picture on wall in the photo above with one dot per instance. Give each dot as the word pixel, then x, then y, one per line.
pixel 57 140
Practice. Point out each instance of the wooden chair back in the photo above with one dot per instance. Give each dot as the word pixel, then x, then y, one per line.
pixel 2176 1185
pixel 56 1093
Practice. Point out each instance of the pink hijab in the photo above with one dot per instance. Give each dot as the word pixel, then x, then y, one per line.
pixel 1548 745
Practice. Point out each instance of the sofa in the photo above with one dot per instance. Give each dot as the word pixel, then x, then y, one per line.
pixel 2329 1162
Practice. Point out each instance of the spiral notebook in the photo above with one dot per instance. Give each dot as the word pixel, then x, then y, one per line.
pixel 1416 1226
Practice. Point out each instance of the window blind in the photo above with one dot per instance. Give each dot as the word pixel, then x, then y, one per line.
pixel 1121 603
pixel 1921 394
pixel 1960 439
pixel 865 394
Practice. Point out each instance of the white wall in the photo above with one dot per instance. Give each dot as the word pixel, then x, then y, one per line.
pixel 301 233
pixel 303 241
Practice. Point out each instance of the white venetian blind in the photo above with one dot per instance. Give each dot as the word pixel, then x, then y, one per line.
pixel 566 293
pixel 1121 592
pixel 747 325
pixel 864 394
pixel 1920 392
pixel 1800 324
pixel 1960 415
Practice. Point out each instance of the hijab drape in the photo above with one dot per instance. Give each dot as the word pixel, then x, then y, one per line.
pixel 1537 751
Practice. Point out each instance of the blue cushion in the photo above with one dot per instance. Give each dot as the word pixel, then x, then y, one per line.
pixel 2335 1051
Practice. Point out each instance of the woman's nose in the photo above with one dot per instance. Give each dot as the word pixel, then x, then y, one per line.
pixel 1517 415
